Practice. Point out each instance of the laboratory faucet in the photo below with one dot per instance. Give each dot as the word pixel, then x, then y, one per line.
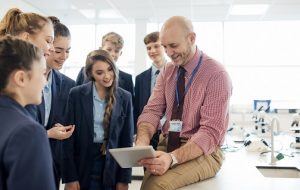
pixel 274 120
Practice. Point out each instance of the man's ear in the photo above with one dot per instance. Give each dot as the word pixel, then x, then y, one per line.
pixel 192 37
pixel 24 36
pixel 19 78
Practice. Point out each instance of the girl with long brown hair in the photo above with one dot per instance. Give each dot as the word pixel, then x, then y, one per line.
pixel 102 114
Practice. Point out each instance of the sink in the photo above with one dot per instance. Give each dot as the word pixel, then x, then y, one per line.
pixel 279 172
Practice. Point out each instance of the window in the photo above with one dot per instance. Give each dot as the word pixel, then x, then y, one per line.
pixel 82 42
pixel 262 57
pixel 263 60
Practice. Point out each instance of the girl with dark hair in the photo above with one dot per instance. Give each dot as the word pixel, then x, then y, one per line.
pixel 24 149
pixel 61 43
pixel 56 94
pixel 102 113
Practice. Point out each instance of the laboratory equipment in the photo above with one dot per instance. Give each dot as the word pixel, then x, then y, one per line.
pixel 296 128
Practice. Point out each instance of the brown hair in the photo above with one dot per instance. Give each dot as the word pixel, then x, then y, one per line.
pixel 15 22
pixel 152 37
pixel 114 38
pixel 15 54
pixel 59 28
pixel 102 55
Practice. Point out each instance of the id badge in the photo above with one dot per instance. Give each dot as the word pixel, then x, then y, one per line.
pixel 175 126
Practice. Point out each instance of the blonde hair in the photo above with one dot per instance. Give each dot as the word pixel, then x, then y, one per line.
pixel 16 22
pixel 114 38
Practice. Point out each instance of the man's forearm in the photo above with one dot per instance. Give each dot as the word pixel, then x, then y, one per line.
pixel 187 152
pixel 145 132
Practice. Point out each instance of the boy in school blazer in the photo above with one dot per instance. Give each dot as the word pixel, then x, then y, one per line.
pixel 145 82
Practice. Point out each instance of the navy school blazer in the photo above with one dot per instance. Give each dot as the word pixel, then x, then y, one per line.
pixel 60 88
pixel 142 93
pixel 77 150
pixel 25 156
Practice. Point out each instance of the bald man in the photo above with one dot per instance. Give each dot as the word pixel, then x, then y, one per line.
pixel 194 93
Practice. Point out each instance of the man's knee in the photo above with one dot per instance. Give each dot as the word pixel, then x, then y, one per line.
pixel 155 183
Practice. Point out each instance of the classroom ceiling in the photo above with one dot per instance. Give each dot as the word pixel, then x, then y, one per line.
pixel 131 11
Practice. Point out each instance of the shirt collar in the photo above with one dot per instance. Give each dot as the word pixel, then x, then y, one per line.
pixel 49 80
pixel 95 94
pixel 154 68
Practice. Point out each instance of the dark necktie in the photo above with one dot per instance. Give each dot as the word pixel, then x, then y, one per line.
pixel 173 137
pixel 156 74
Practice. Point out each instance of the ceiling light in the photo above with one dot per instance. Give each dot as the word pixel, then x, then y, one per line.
pixel 249 9
pixel 109 14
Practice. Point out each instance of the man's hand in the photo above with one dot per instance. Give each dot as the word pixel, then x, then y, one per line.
pixel 60 132
pixel 158 165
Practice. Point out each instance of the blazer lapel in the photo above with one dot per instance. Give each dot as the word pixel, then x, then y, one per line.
pixel 55 89
pixel 147 80
pixel 41 111
pixel 87 104
pixel 116 113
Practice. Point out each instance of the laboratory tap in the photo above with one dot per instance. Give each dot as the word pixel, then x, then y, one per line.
pixel 274 120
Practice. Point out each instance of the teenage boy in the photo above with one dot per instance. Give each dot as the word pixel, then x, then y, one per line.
pixel 145 82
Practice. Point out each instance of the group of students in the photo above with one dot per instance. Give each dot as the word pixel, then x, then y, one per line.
pixel 102 109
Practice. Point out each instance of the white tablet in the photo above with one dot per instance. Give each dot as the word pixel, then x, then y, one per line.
pixel 129 157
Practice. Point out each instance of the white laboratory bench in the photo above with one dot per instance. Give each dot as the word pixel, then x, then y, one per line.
pixel 239 172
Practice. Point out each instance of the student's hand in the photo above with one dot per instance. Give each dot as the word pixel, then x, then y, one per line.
pixel 60 132
pixel 122 186
pixel 72 186
pixel 158 165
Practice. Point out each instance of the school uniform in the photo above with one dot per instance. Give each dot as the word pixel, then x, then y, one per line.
pixel 144 84
pixel 79 150
pixel 25 156
pixel 142 92
pixel 60 88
